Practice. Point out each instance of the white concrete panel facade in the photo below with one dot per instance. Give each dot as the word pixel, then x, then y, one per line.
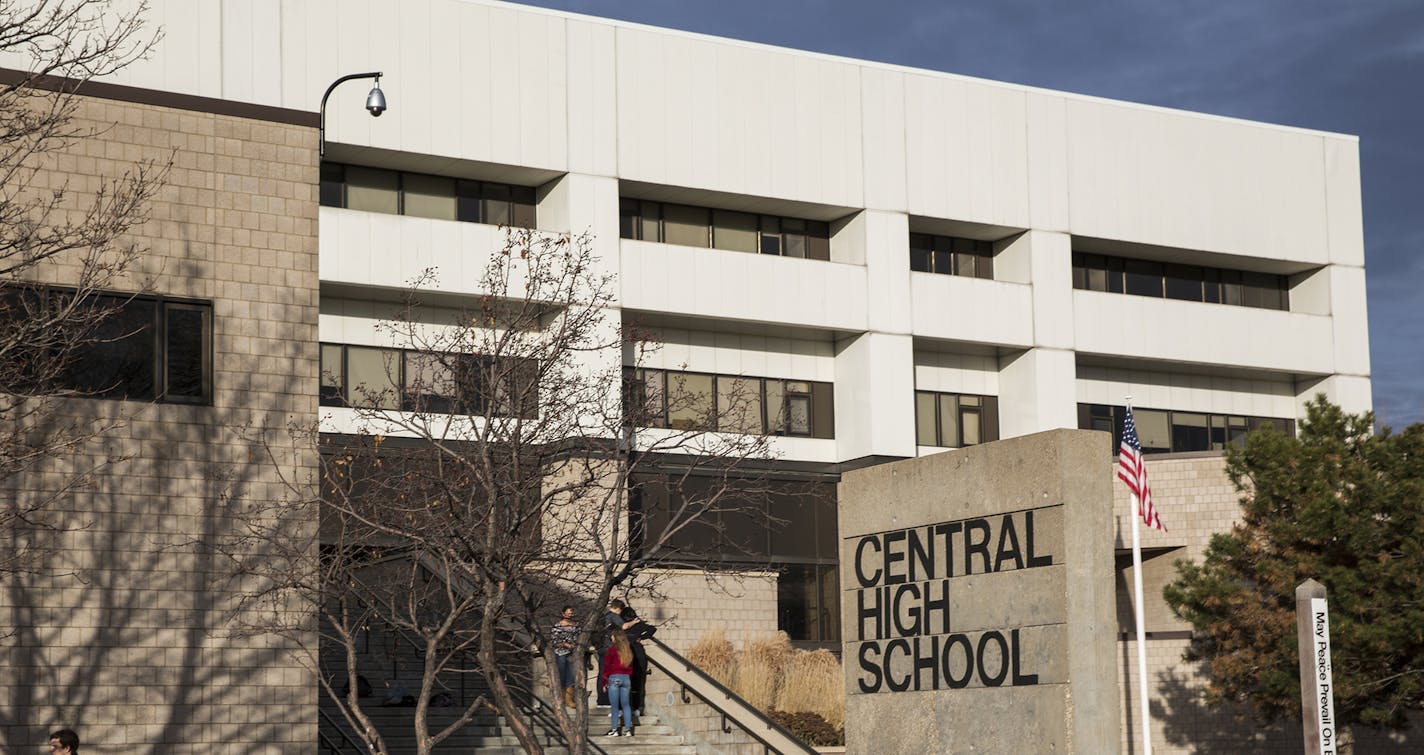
pixel 966 150
pixel 1201 334
pixel 875 149
pixel 1152 176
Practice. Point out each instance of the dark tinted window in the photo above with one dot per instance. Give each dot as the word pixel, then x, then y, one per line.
pixel 1184 282
pixel 735 403
pixel 187 351
pixel 1143 278
pixel 333 185
pixel 955 420
pixel 1161 431
pixel 119 361
pixel 145 349
pixel 428 382
pixel 951 255
pixel 1096 272
pixel 785 526
pixel 686 225
pixel 427 195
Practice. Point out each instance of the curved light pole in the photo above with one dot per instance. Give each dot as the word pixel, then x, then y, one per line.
pixel 375 102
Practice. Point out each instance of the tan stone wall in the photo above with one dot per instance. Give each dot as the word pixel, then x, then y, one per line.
pixel 699 723
pixel 1195 500
pixel 688 603
pixel 123 635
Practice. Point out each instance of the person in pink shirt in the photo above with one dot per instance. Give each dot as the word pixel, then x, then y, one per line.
pixel 617 678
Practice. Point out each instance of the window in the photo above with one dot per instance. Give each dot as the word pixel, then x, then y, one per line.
pixel 734 403
pixel 1096 272
pixel 144 348
pixel 686 225
pixel 1162 431
pixel 955 420
pixel 414 381
pixel 690 401
pixel 426 196
pixel 950 255
pixel 785 526
pixel 808 602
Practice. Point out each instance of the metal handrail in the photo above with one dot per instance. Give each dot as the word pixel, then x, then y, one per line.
pixel 539 708
pixel 332 723
pixel 703 676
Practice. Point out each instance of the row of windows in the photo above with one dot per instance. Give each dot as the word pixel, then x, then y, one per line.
pixel 723 229
pixel 374 378
pixel 446 198
pixel 951 255
pixel 955 420
pixel 729 403
pixel 426 196
pixel 1161 431
pixel 143 348
pixel 1097 272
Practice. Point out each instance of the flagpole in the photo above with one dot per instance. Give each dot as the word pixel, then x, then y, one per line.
pixel 1141 631
pixel 1135 513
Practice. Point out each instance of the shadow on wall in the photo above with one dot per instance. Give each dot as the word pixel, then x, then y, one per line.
pixel 121 631
pixel 1187 723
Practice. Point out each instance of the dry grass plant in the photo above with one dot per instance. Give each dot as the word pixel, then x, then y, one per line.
pixel 714 654
pixel 769 674
pixel 812 683
pixel 760 668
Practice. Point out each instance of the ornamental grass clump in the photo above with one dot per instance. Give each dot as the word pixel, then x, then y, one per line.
pixel 714 654
pixel 760 668
pixel 800 689
pixel 812 683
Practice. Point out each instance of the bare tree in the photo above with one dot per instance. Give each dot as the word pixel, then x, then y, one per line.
pixel 488 483
pixel 50 234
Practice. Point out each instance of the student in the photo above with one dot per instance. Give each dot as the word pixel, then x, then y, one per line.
pixel 611 621
pixel 636 630
pixel 64 742
pixel 617 679
pixel 563 637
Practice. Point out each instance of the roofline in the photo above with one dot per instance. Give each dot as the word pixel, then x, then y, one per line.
pixel 895 67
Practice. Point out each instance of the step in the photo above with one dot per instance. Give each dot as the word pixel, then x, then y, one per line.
pixel 489 734
pixel 632 747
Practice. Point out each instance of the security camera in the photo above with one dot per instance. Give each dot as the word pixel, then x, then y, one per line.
pixel 376 100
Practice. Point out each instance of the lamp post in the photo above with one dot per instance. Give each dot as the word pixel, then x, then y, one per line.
pixel 375 102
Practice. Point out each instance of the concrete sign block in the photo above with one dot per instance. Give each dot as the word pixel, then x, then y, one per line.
pixel 978 611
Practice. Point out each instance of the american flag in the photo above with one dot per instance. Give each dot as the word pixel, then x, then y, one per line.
pixel 1133 471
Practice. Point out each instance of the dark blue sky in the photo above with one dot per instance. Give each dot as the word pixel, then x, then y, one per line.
pixel 1351 66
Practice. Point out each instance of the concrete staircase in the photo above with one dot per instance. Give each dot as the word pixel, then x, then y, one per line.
pixel 386 655
pixel 489 735
pixel 650 737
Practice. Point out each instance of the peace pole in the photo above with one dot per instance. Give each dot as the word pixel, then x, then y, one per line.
pixel 1317 699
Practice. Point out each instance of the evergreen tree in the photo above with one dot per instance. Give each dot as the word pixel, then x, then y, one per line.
pixel 1339 504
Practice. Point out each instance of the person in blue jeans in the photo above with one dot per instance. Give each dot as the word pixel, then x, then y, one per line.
pixel 563 637
pixel 617 678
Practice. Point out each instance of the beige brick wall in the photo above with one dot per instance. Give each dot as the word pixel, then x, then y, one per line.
pixel 123 634
pixel 1195 500
pixel 685 604
pixel 699 723
pixel 689 604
